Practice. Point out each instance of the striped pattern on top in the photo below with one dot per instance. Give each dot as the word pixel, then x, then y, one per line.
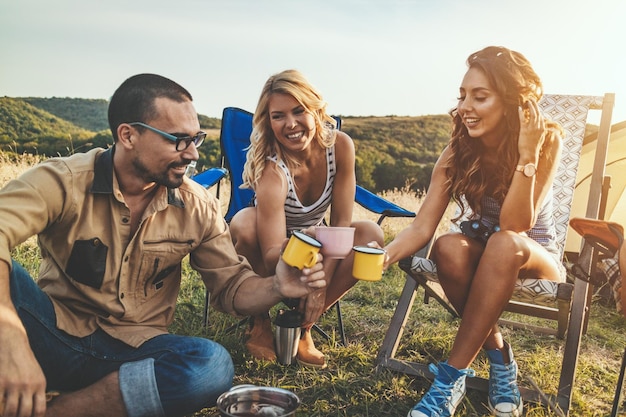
pixel 297 215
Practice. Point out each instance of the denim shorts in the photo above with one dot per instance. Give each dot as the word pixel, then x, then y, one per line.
pixel 168 375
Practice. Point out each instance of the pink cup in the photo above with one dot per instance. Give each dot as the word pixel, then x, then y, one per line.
pixel 337 242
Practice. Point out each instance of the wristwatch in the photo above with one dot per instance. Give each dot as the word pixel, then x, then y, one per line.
pixel 528 170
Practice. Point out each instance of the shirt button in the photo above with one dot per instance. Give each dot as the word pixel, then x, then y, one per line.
pixel 125 220
pixel 122 295
pixel 126 259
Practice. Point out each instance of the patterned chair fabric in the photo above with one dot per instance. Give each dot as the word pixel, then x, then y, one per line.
pixel 532 291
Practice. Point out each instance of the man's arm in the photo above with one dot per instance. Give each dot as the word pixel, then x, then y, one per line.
pixel 22 382
pixel 256 294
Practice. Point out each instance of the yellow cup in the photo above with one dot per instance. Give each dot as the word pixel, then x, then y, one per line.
pixel 301 250
pixel 368 263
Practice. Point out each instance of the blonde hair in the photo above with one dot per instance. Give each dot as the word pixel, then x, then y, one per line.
pixel 512 77
pixel 263 143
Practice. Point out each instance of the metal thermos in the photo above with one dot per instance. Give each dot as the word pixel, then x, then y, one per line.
pixel 287 335
pixel 190 171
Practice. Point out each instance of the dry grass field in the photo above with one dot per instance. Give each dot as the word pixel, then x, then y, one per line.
pixel 350 386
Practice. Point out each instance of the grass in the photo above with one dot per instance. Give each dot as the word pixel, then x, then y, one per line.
pixel 350 386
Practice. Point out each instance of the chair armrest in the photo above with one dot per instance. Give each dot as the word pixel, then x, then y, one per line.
pixel 415 265
pixel 603 235
pixel 210 177
pixel 379 205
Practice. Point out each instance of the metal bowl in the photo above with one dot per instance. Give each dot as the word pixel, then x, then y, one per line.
pixel 254 401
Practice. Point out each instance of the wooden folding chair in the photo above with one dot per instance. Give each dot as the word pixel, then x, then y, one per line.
pixel 565 303
pixel 608 240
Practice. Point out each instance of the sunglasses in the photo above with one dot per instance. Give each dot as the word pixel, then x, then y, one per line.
pixel 182 142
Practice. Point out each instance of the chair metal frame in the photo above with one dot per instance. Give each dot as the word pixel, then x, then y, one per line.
pixel 570 302
pixel 234 142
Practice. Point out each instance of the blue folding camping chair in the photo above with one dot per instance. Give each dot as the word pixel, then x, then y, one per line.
pixel 234 142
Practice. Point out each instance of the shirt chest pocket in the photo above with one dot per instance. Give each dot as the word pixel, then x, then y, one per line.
pixel 87 262
pixel 156 275
pixel 159 271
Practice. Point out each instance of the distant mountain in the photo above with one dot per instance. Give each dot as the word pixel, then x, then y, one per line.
pixel 391 151
pixel 61 126
pixel 90 114
pixel 21 121
pixel 397 151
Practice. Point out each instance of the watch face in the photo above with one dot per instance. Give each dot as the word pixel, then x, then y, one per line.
pixel 529 170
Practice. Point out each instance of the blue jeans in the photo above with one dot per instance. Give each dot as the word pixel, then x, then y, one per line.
pixel 169 375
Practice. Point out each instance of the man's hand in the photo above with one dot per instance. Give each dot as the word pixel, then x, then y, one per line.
pixel 291 282
pixel 22 382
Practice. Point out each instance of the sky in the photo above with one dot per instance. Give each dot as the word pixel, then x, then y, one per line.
pixel 366 57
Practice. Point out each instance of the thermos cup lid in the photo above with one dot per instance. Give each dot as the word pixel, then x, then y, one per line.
pixel 288 318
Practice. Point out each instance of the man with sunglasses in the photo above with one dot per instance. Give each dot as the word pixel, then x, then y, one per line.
pixel 113 227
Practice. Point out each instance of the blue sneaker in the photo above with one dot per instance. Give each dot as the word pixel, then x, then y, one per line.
pixel 505 399
pixel 445 394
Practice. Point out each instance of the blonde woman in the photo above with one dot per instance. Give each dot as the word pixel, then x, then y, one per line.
pixel 499 166
pixel 299 166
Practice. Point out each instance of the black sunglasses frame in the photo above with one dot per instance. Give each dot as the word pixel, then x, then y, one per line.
pixel 197 140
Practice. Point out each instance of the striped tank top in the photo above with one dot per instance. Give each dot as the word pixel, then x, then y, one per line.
pixel 297 215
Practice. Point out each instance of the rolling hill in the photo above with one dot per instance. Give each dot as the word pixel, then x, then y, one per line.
pixel 392 151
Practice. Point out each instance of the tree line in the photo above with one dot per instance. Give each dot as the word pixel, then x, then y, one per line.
pixel 392 152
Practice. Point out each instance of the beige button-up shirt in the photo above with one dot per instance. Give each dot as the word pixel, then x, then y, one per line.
pixel 96 273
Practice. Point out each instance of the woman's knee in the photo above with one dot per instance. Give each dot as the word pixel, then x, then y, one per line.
pixel 514 251
pixel 367 231
pixel 506 247
pixel 455 258
pixel 192 377
pixel 243 228
pixel 451 249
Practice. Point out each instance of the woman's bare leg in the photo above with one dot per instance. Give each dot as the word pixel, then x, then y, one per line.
pixel 481 296
pixel 260 338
